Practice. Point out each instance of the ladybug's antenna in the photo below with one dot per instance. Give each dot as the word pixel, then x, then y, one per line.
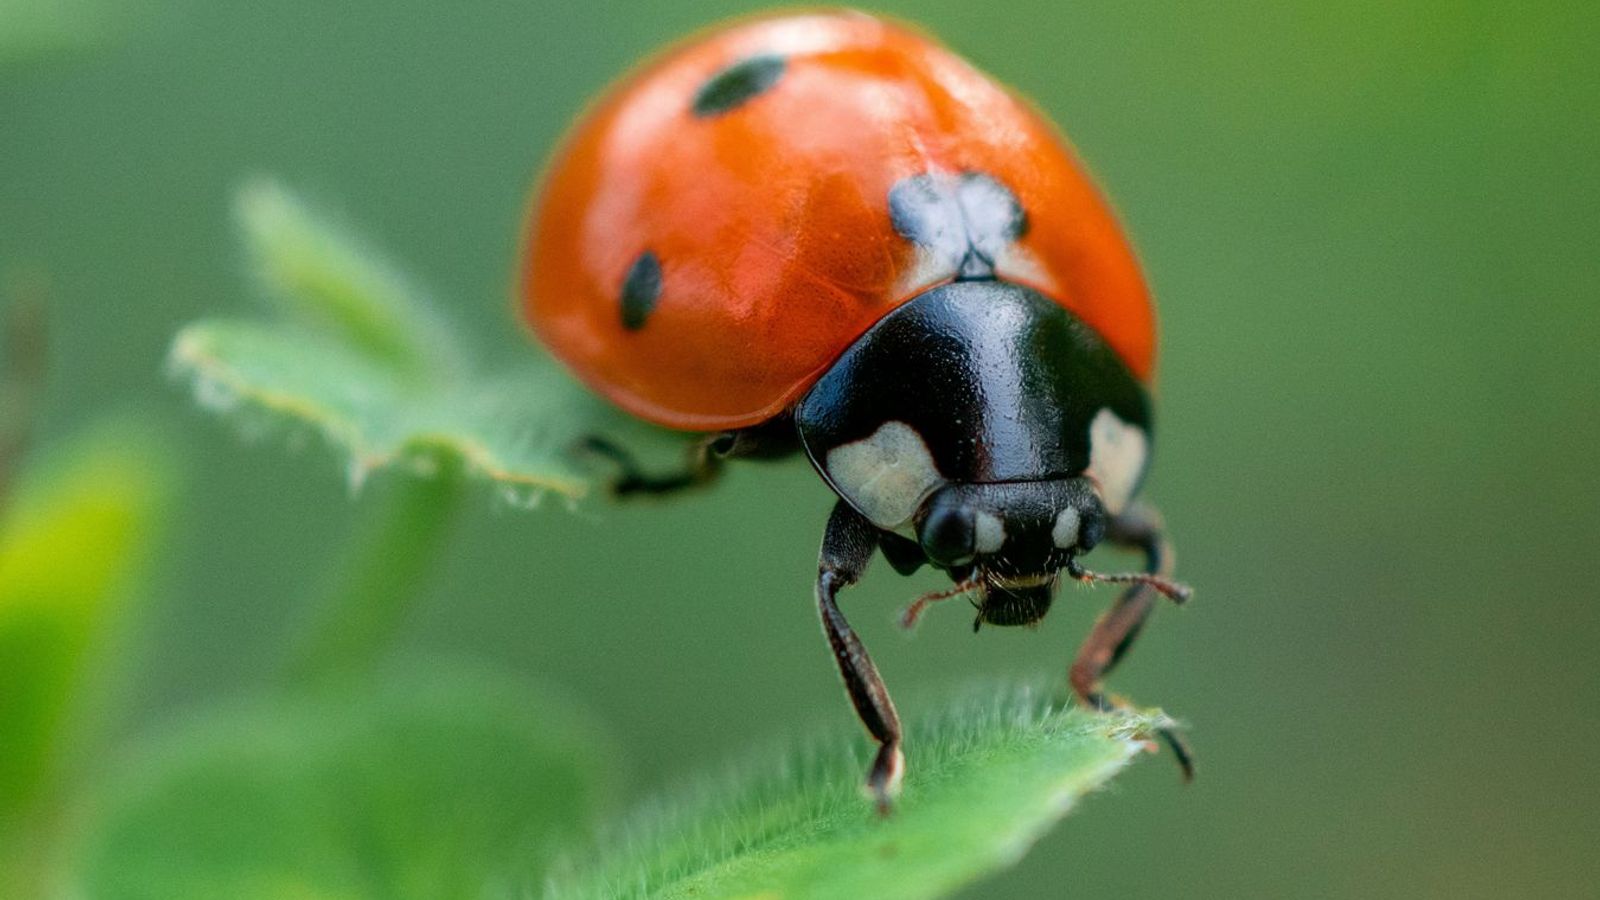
pixel 908 618
pixel 1175 591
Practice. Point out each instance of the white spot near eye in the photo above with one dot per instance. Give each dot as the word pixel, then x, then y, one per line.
pixel 988 533
pixel 1065 534
pixel 887 475
pixel 1117 454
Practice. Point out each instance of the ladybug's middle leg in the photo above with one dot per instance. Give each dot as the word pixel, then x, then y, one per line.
pixel 770 440
pixel 847 547
pixel 1137 528
pixel 703 465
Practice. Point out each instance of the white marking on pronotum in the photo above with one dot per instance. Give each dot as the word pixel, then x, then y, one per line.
pixel 1065 534
pixel 1117 454
pixel 988 533
pixel 886 475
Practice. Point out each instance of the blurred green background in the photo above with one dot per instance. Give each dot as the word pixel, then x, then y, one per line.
pixel 1374 232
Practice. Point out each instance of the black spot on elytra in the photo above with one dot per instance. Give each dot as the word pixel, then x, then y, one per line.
pixel 640 290
pixel 737 84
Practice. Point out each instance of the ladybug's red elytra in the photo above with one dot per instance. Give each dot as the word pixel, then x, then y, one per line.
pixel 828 233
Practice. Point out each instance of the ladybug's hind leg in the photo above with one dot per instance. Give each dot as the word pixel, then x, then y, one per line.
pixel 1138 528
pixel 847 547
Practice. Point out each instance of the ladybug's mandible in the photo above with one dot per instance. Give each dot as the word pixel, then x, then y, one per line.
pixel 829 233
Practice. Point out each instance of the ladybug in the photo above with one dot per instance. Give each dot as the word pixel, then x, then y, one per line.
pixel 829 234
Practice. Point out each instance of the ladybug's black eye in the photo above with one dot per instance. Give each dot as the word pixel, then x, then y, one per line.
pixel 948 535
pixel 1092 531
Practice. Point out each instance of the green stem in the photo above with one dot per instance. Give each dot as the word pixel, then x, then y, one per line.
pixel 376 582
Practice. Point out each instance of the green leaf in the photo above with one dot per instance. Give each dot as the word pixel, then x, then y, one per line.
pixel 324 276
pixel 360 357
pixel 72 546
pixel 985 779
pixel 417 784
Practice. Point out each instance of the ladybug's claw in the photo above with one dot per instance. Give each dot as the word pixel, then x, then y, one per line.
pixel 1180 750
pixel 1139 528
pixel 883 781
pixel 847 547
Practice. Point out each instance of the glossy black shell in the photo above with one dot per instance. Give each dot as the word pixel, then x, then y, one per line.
pixel 1000 382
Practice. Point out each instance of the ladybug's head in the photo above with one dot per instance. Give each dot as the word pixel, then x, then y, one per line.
pixel 1009 540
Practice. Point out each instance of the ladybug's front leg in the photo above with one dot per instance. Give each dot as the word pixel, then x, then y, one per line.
pixel 1138 528
pixel 847 547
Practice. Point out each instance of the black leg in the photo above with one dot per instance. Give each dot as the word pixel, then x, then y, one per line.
pixel 1138 528
pixel 847 547
pixel 702 467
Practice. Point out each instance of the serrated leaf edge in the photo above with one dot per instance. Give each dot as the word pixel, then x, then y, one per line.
pixel 219 389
